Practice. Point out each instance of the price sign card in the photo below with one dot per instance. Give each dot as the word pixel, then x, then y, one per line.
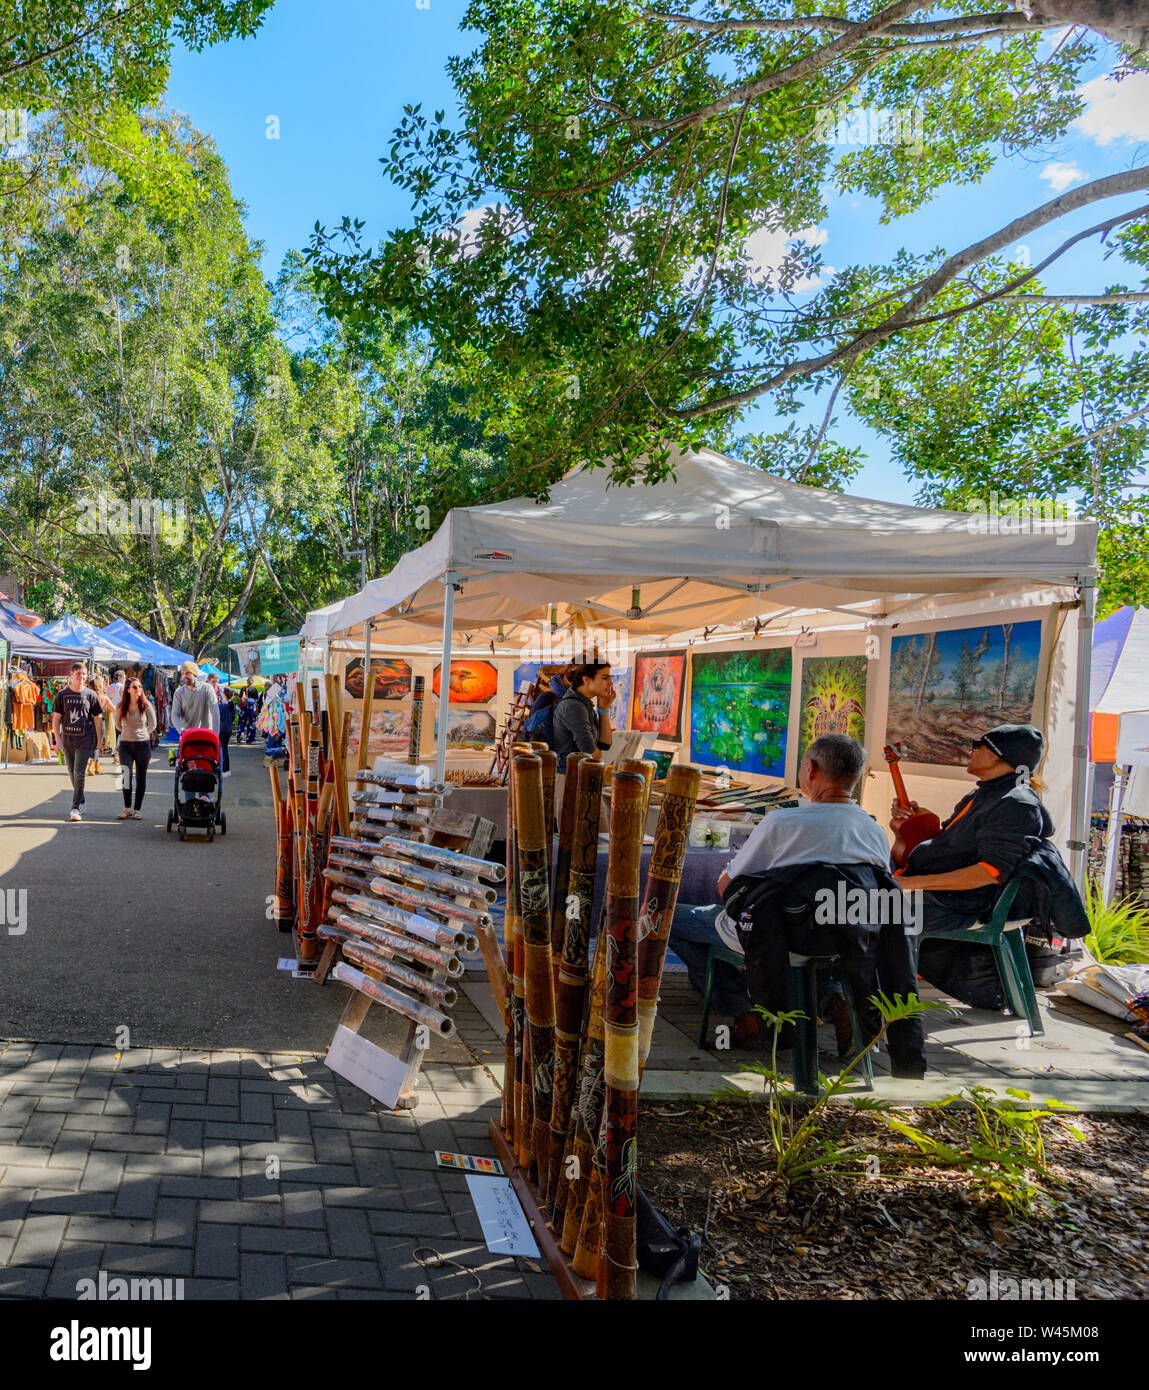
pixel 366 1066
pixel 505 1226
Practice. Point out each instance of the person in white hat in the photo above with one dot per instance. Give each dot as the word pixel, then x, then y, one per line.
pixel 194 706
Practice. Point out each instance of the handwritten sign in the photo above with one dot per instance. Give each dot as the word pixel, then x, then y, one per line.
pixel 505 1226
pixel 366 1066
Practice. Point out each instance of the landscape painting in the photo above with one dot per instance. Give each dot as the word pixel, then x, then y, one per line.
pixel 472 729
pixel 948 688
pixel 740 709
pixel 390 731
pixel 833 699
pixel 657 694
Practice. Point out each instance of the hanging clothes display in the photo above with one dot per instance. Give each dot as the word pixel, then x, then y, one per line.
pixel 272 719
pixel 25 695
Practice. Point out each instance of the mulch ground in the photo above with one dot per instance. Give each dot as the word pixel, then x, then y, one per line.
pixel 917 1232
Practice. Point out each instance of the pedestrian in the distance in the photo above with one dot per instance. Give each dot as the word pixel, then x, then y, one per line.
pixel 194 706
pixel 226 725
pixel 77 719
pixel 136 721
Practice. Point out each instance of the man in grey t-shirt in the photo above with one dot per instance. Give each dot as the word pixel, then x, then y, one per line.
pixel 830 829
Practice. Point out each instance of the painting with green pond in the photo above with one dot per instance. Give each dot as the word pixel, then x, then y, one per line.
pixel 739 710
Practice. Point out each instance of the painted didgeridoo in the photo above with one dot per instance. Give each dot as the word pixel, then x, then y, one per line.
pixel 620 925
pixel 538 976
pixel 563 858
pixel 415 739
pixel 570 1000
pixel 618 1265
pixel 660 894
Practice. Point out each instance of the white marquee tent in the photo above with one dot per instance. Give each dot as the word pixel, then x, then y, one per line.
pixel 722 543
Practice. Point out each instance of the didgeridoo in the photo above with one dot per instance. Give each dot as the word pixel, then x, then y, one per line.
pixel 398 1002
pixel 388 939
pixel 576 903
pixel 563 858
pixel 618 1266
pixel 660 894
pixel 538 977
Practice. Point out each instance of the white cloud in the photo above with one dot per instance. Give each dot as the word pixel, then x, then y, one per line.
pixel 1061 176
pixel 1115 110
pixel 766 250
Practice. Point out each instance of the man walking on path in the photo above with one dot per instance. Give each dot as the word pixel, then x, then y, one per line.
pixel 194 706
pixel 77 717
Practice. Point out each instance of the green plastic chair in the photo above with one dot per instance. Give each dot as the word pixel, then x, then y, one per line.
pixel 1006 940
pixel 804 974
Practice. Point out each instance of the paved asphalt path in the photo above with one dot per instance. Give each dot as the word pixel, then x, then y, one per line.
pixel 126 925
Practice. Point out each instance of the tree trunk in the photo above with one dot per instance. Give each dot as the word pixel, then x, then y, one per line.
pixel 1123 21
pixel 1007 633
pixel 927 667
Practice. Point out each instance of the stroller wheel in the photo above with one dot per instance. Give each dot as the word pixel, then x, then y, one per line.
pixel 223 822
pixel 183 832
pixel 170 819
pixel 210 833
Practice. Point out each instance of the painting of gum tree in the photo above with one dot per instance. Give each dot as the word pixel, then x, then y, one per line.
pixel 739 710
pixel 948 688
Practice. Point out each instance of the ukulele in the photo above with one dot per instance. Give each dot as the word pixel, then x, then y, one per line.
pixel 920 825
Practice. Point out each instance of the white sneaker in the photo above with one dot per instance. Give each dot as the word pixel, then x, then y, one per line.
pixel 227 774
pixel 75 816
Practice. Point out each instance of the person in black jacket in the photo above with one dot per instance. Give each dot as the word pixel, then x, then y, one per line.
pixel 963 868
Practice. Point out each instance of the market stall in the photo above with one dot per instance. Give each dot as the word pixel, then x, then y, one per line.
pixel 772 565
pixel 27 661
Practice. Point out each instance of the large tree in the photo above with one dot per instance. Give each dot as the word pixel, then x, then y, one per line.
pixel 90 67
pixel 138 388
pixel 384 443
pixel 587 230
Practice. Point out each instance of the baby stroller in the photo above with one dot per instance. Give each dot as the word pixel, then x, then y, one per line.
pixel 198 785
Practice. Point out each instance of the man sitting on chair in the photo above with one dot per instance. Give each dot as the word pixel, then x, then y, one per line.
pixel 963 868
pixel 831 828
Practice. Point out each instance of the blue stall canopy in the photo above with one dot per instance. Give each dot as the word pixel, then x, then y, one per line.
pixel 148 647
pixel 78 634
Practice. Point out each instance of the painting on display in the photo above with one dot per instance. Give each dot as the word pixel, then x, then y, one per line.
pixel 739 710
pixel 390 731
pixel 657 694
pixel 472 729
pixel 392 679
pixel 948 688
pixel 620 705
pixel 472 682
pixel 833 699
pixel 527 673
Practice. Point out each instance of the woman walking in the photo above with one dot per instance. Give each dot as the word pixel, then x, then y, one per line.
pixel 226 725
pixel 136 721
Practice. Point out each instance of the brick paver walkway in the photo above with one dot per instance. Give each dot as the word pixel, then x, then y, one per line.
pixel 248 1176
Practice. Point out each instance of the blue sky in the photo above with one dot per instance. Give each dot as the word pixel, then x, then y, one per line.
pixel 336 75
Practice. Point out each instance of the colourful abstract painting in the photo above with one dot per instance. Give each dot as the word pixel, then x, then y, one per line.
pixel 657 693
pixel 739 710
pixel 948 688
pixel 833 699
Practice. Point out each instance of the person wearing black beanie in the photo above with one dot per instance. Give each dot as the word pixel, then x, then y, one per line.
pixel 963 868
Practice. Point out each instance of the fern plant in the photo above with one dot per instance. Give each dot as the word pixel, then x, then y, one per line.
pixel 1119 931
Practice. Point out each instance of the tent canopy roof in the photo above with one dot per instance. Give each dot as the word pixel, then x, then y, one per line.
pixel 147 647
pixel 717 542
pixel 24 642
pixel 78 634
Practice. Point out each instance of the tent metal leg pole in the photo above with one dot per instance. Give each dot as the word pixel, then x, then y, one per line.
pixel 1079 833
pixel 1113 834
pixel 450 581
